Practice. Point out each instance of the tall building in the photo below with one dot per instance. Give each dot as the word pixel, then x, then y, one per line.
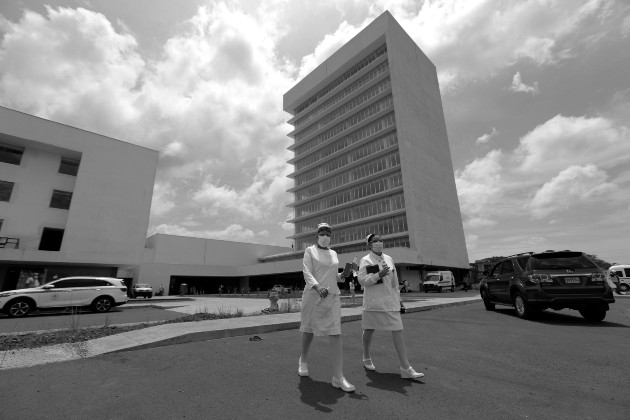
pixel 372 153
pixel 72 202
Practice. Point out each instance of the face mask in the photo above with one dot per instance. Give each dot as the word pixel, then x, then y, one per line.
pixel 377 246
pixel 323 241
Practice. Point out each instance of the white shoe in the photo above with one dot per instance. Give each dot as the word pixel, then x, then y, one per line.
pixel 302 368
pixel 343 384
pixel 410 373
pixel 368 364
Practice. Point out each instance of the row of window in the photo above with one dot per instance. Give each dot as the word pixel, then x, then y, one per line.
pixel 374 73
pixel 354 103
pixel 357 135
pixel 365 189
pixel 380 125
pixel 378 165
pixel 371 148
pixel 58 200
pixel 13 155
pixel 354 70
pixel 400 242
pixel 387 226
pixel 360 211
pixel 347 124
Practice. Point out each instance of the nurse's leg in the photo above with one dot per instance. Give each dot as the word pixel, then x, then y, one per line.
pixel 401 349
pixel 307 339
pixel 367 342
pixel 337 355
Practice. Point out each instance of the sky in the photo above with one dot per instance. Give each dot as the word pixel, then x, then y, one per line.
pixel 536 96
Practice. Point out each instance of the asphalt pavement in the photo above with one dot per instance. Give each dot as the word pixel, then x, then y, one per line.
pixel 478 364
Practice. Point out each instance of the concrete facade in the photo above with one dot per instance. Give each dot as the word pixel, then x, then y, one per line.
pixel 378 95
pixel 108 216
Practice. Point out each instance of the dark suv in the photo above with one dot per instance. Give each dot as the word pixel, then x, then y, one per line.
pixel 533 282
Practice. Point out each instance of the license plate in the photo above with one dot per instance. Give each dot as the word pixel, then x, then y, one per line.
pixel 572 280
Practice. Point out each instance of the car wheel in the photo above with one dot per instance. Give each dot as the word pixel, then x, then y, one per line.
pixel 452 289
pixel 593 314
pixel 440 289
pixel 426 290
pixel 624 289
pixel 150 295
pixel 133 296
pixel 486 301
pixel 19 308
pixel 102 304
pixel 522 307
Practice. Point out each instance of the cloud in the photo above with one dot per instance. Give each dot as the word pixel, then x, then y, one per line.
pixel 491 35
pixel 486 137
pixel 234 232
pixel 70 66
pixel 566 141
pixel 478 185
pixel 518 85
pixel 571 187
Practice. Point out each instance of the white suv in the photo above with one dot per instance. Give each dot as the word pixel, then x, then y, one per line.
pixel 99 293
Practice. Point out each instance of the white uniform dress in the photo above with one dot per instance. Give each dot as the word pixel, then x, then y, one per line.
pixel 321 316
pixel 381 302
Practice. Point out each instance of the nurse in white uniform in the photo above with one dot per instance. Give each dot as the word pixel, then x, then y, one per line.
pixel 321 305
pixel 381 304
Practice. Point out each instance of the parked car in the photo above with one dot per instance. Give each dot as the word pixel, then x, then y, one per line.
pixel 98 293
pixel 623 274
pixel 438 281
pixel 532 282
pixel 141 289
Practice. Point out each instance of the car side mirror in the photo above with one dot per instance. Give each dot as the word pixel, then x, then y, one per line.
pixel 48 286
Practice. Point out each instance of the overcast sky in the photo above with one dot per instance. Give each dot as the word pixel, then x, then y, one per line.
pixel 536 97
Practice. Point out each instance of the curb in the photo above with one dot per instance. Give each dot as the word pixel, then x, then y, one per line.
pixel 261 329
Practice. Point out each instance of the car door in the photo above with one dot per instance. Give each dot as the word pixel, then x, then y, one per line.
pixel 84 291
pixel 492 281
pixel 56 294
pixel 504 279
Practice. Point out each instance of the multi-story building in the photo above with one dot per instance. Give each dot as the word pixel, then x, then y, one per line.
pixel 372 152
pixel 71 201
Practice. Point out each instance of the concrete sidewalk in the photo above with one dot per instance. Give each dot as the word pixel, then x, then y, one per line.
pixel 177 333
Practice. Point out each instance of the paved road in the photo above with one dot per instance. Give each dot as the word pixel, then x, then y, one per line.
pixel 478 365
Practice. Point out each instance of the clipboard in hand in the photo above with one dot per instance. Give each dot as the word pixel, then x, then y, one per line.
pixel 372 269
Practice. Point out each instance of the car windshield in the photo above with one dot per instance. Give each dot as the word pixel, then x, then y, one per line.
pixel 560 261
pixel 432 278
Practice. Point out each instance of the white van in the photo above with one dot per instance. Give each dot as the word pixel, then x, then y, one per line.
pixel 623 271
pixel 438 280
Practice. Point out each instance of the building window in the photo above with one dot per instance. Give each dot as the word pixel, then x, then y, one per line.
pixel 69 166
pixel 1 221
pixel 51 239
pixel 61 199
pixel 6 188
pixel 11 154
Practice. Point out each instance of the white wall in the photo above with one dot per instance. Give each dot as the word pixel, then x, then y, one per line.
pixel 109 213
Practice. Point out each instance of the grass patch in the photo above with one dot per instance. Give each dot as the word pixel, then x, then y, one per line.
pixel 76 335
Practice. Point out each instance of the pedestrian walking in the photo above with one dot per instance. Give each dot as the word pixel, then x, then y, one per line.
pixel 382 305
pixel 321 305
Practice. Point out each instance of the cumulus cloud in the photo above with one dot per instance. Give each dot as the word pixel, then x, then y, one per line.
pixel 487 136
pixel 71 66
pixel 518 85
pixel 478 185
pixel 565 141
pixel 571 187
